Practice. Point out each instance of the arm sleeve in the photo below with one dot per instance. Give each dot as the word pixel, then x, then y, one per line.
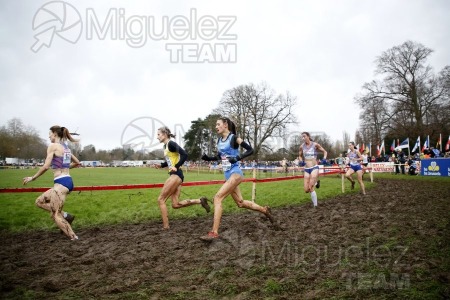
pixel 164 164
pixel 215 158
pixel 248 148
pixel 233 142
pixel 174 147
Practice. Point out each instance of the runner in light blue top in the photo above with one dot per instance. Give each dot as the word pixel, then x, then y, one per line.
pixel 228 153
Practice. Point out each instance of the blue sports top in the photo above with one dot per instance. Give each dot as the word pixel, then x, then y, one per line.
pixel 62 162
pixel 226 150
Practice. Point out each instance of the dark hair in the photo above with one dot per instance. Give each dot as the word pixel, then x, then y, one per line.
pixel 353 143
pixel 307 134
pixel 63 133
pixel 231 125
pixel 165 130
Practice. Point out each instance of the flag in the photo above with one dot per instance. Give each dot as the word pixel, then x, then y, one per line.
pixel 439 143
pixel 426 144
pixel 404 144
pixel 393 146
pixel 398 142
pixel 369 147
pixel 382 148
pixel 362 148
pixel 357 147
pixel 416 145
pixel 378 150
pixel 447 147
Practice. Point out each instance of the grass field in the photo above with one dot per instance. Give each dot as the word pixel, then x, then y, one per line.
pixel 133 206
pixel 390 244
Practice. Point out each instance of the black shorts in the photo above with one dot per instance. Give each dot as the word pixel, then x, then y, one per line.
pixel 179 173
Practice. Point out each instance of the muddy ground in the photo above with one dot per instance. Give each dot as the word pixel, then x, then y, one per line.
pixel 391 243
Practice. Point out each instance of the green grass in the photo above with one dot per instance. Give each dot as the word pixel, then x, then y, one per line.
pixel 94 208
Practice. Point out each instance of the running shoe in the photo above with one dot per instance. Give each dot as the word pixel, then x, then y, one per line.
pixel 318 184
pixel 353 185
pixel 209 237
pixel 69 218
pixel 269 215
pixel 204 203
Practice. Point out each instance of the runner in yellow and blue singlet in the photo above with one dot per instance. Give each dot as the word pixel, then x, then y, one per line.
pixel 174 156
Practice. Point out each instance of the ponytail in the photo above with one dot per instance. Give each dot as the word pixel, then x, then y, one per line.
pixel 63 133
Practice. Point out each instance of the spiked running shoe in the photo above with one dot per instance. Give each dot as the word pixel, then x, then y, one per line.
pixel 318 184
pixel 69 218
pixel 204 203
pixel 353 185
pixel 210 237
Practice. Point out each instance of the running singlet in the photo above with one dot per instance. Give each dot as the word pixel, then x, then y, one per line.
pixel 365 158
pixel 309 152
pixel 353 156
pixel 171 157
pixel 62 162
pixel 225 151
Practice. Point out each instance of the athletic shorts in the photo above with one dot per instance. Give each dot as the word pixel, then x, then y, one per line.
pixel 356 168
pixel 235 169
pixel 64 180
pixel 179 173
pixel 310 170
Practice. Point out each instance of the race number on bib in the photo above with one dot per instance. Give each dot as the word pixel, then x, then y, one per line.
pixel 169 163
pixel 226 165
pixel 67 156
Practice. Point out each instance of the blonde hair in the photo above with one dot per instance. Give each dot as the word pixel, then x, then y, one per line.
pixel 165 130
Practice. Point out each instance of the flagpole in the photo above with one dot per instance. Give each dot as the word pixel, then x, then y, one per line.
pixel 409 153
pixel 440 142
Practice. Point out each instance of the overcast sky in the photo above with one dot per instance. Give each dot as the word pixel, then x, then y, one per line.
pixel 321 52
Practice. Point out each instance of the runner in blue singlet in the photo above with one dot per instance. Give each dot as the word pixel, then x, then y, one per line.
pixel 228 153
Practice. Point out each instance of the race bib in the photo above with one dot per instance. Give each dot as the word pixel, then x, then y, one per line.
pixel 226 165
pixel 67 157
pixel 169 163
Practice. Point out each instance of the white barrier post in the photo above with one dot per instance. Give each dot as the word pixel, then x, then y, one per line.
pixel 343 181
pixel 254 185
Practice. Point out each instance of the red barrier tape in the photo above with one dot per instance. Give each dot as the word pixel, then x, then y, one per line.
pixel 150 186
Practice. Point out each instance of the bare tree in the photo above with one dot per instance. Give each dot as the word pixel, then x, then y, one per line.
pixel 345 138
pixel 406 94
pixel 259 113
